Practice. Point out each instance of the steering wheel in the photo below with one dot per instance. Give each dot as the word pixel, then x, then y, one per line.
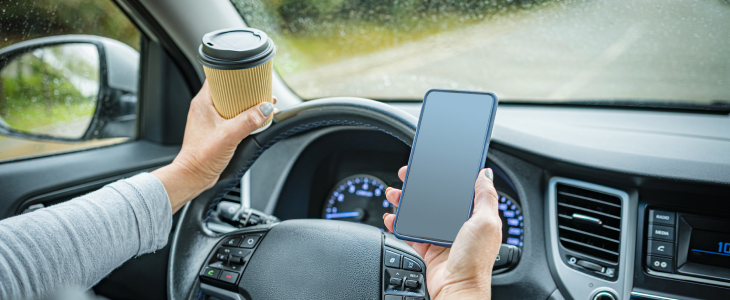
pixel 296 259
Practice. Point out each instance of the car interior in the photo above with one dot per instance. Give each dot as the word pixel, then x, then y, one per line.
pixel 610 148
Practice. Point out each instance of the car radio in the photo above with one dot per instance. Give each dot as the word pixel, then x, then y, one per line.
pixel 688 246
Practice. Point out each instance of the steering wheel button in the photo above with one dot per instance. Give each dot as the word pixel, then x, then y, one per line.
pixel 415 298
pixel 392 259
pixel 232 242
pixel 250 241
pixel 225 250
pixel 396 282
pixel 236 260
pixel 411 265
pixel 412 284
pixel 229 277
pixel 393 297
pixel 241 252
pixel 222 257
pixel 212 272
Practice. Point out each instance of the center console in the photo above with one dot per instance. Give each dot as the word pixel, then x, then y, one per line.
pixel 690 247
pixel 683 248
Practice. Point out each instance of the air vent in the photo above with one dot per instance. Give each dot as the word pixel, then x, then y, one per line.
pixel 589 222
pixel 234 195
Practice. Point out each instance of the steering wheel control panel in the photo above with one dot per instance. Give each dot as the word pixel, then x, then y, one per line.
pixel 229 259
pixel 404 276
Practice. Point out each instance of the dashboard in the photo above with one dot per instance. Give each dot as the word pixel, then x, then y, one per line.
pixel 603 204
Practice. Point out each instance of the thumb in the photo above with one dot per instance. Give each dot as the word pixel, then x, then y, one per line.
pixel 485 195
pixel 252 119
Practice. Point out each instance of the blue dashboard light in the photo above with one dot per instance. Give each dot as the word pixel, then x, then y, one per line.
pixel 349 214
pixel 509 214
pixel 513 222
pixel 364 193
pixel 502 206
pixel 386 203
pixel 513 241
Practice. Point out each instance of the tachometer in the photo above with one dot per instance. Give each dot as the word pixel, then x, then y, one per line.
pixel 512 221
pixel 358 198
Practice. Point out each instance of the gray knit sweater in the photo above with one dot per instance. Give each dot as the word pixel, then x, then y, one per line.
pixel 75 244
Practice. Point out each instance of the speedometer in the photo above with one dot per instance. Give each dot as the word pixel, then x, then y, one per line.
pixel 358 198
pixel 513 231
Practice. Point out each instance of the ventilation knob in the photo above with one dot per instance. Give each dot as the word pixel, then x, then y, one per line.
pixel 604 296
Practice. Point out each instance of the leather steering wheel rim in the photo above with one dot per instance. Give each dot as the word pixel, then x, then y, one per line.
pixel 192 241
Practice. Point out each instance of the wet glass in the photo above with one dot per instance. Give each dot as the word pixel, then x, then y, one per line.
pixel 669 51
pixel 26 20
pixel 51 91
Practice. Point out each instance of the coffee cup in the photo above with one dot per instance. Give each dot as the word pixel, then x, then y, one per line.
pixel 239 67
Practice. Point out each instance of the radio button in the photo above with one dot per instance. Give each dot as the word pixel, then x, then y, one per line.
pixel 661 248
pixel 661 217
pixel 660 264
pixel 661 232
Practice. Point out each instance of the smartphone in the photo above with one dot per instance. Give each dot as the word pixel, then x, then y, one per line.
pixel 448 152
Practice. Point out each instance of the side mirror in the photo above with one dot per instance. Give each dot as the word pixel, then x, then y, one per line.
pixel 68 88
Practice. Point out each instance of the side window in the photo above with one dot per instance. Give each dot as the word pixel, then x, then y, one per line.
pixel 68 76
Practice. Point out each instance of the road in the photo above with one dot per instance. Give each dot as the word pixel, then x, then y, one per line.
pixel 650 50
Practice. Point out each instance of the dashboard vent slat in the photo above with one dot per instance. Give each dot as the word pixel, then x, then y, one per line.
pixel 600 240
pixel 588 210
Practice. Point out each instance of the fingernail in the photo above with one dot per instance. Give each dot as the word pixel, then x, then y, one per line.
pixel 388 189
pixel 267 108
pixel 489 174
pixel 385 215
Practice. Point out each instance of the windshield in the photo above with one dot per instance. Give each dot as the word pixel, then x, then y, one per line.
pixel 675 51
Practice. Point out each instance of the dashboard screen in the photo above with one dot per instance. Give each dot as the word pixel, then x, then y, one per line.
pixel 445 161
pixel 709 248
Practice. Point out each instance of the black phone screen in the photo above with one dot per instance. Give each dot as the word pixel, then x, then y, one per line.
pixel 447 155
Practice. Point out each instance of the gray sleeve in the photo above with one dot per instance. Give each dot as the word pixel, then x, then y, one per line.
pixel 79 242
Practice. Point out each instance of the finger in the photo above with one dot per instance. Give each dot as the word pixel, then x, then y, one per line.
pixel 393 195
pixel 204 94
pixel 274 100
pixel 402 173
pixel 485 195
pixel 389 219
pixel 252 118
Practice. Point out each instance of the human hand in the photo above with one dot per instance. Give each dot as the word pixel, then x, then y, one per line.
pixel 208 147
pixel 463 271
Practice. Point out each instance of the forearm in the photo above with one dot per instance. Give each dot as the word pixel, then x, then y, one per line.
pixel 79 242
pixel 180 183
